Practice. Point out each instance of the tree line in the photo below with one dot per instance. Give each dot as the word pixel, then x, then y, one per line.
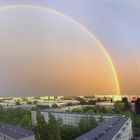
pixel 16 116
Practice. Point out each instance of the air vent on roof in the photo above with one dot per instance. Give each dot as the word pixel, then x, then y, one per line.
pixel 119 119
pixel 2 127
pixel 26 134
pixel 110 126
pixel 95 138
pixel 114 123
pixel 103 132
pixel 99 135
pixel 10 129
pixel 22 134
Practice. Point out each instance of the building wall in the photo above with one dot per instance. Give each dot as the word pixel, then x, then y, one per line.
pixel 28 138
pixel 5 137
pixel 67 118
pixel 125 132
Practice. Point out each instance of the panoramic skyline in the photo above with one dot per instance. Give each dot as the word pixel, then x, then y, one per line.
pixel 114 23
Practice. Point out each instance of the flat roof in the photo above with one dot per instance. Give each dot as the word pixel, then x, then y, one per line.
pixel 106 130
pixel 14 131
pixel 79 113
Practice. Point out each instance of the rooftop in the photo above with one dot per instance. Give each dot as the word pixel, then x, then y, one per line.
pixel 106 130
pixel 78 113
pixel 13 131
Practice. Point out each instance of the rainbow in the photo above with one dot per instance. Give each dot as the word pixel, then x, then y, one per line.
pixel 83 28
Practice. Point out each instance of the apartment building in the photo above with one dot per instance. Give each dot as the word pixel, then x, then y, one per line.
pixel 117 128
pixel 12 132
pixel 67 117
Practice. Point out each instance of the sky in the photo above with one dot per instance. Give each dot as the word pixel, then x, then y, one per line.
pixel 115 24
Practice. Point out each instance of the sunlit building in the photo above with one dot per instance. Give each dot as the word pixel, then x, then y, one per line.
pixel 66 117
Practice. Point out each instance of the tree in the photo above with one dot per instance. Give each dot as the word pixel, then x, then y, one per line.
pixel 14 116
pixel 18 102
pixel 77 110
pixel 43 106
pixel 29 102
pixel 89 109
pixel 87 123
pixel 91 102
pixel 53 128
pixel 136 125
pixel 93 122
pixel 35 102
pixel 137 106
pixel 15 120
pixel 54 106
pixel 119 107
pixel 26 120
pixel 82 102
pixel 102 109
pixel 25 99
pixel 100 119
pixel 69 132
pixel 69 104
pixel 41 129
pixel 127 105
pixel 1 109
pixel 94 109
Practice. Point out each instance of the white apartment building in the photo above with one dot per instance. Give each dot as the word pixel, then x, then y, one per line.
pixel 117 128
pixel 66 117
pixel 125 132
pixel 12 132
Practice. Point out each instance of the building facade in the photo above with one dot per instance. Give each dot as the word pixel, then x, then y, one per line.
pixel 117 128
pixel 66 117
